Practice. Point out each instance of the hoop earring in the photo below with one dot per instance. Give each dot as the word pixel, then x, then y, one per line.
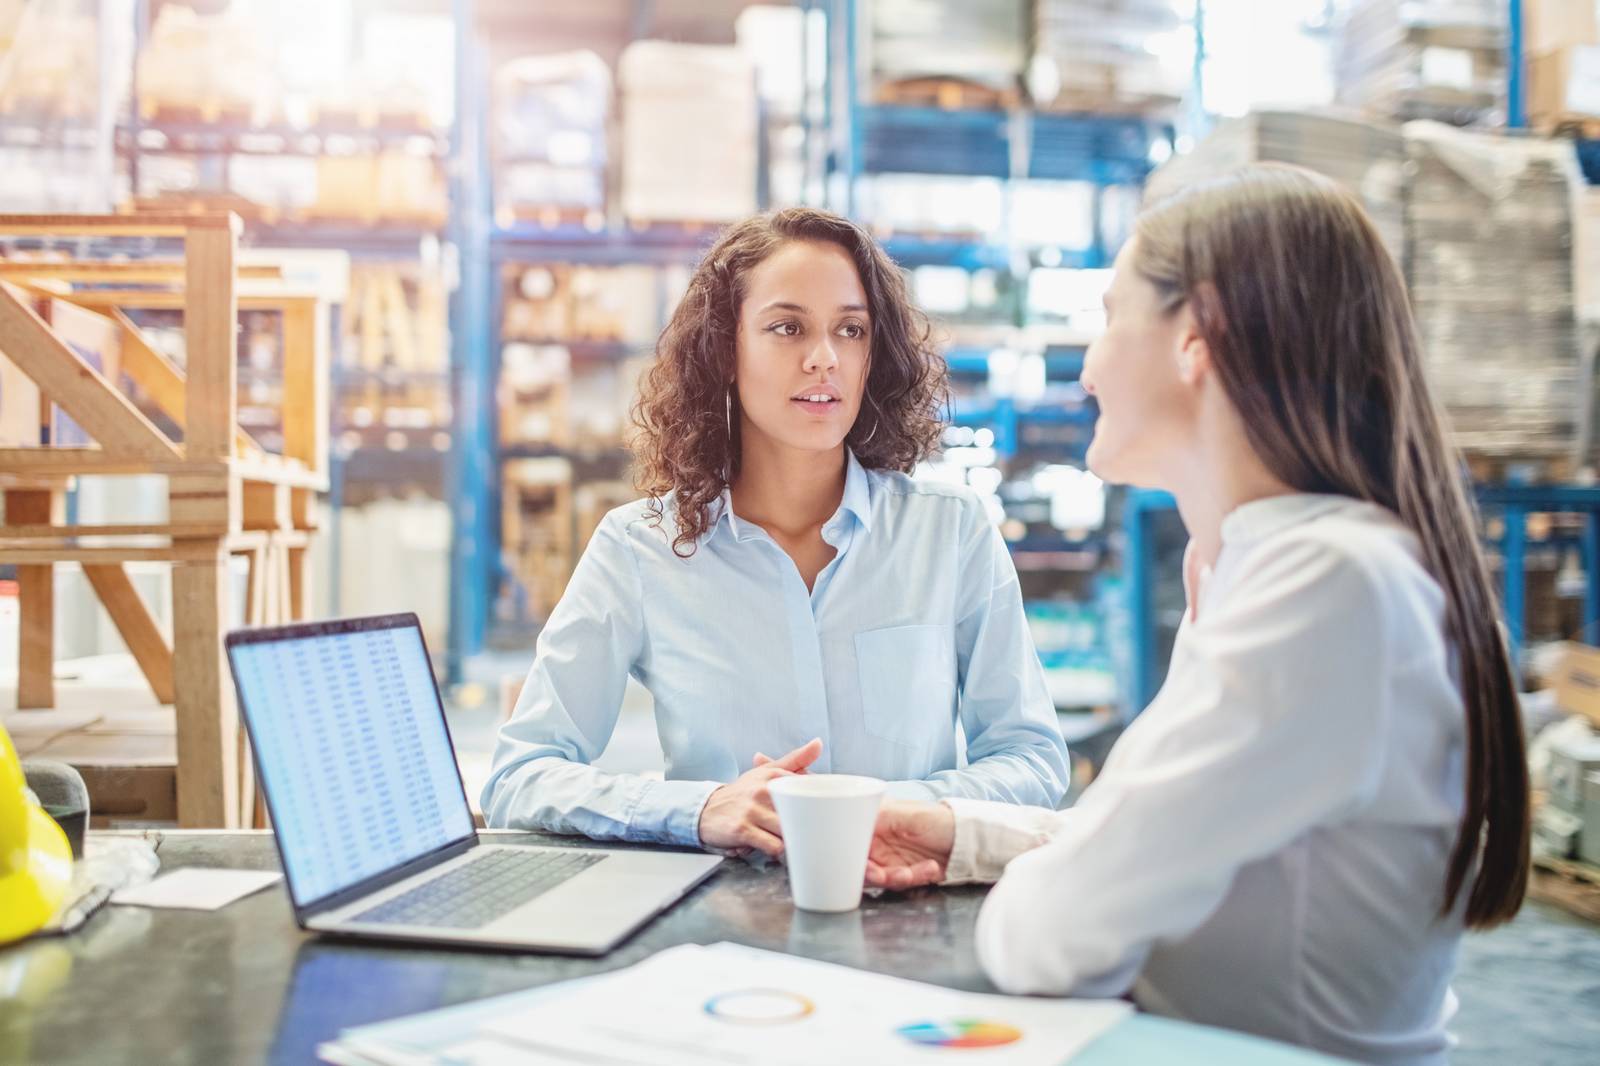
pixel 727 413
pixel 875 422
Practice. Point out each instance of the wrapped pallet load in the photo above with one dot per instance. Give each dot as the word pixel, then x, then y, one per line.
pixel 1482 225
pixel 1424 59
pixel 1489 224
pixel 689 126
pixel 550 117
pixel 1367 157
pixel 983 42
pixel 1107 55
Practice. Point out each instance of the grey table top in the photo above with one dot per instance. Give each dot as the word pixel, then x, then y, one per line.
pixel 244 984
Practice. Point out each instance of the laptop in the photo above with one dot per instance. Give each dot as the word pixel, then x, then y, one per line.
pixel 372 823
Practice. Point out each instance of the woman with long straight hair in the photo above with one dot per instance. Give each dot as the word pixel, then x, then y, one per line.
pixel 1330 786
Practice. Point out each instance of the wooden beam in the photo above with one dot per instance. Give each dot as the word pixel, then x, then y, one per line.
pixel 133 620
pixel 305 383
pixel 160 379
pixel 207 720
pixel 269 297
pixel 152 224
pixel 36 600
pixel 210 324
pixel 54 532
pixel 205 499
pixel 140 270
pixel 265 506
pixel 26 555
pixel 75 386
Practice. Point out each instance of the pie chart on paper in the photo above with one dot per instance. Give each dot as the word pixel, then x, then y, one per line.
pixel 966 1033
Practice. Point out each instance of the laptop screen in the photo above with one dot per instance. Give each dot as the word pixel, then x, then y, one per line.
pixel 354 756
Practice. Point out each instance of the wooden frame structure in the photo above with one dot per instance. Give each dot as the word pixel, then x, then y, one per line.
pixel 226 496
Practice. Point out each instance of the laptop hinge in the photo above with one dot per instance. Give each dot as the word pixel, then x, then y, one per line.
pixel 378 882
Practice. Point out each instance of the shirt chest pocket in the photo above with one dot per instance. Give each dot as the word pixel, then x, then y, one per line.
pixel 908 682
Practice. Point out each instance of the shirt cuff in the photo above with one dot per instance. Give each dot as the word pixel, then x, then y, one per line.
pixel 989 835
pixel 668 812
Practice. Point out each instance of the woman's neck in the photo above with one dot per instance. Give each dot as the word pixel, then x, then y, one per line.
pixel 1212 483
pixel 788 491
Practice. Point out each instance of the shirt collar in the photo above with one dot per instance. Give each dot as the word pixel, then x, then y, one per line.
pixel 857 500
pixel 1262 518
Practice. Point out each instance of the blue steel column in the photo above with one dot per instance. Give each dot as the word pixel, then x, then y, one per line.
pixel 1516 101
pixel 1591 578
pixel 1513 557
pixel 471 555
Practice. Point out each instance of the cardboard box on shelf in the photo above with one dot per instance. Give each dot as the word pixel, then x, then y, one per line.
pixel 1577 682
pixel 1551 24
pixel 1564 85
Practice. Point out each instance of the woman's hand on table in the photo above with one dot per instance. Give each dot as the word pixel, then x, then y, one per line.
pixel 911 844
pixel 740 815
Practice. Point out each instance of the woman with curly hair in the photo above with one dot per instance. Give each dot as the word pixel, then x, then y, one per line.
pixel 784 578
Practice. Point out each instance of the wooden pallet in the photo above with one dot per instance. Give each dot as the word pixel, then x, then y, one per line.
pixel 1575 126
pixel 226 496
pixel 1572 886
pixel 948 94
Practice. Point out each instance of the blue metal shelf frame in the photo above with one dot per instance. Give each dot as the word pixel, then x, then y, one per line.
pixel 472 539
pixel 1514 503
pixel 1139 511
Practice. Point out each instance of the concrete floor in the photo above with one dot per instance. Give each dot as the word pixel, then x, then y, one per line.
pixel 1530 991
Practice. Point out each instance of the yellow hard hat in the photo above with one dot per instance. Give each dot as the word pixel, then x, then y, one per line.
pixel 35 861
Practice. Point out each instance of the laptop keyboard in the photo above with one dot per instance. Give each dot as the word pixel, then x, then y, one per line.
pixel 478 892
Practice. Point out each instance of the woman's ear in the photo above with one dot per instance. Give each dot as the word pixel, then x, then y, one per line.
pixel 1200 316
pixel 1194 355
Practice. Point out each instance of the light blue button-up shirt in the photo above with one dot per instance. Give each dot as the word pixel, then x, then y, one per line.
pixel 915 628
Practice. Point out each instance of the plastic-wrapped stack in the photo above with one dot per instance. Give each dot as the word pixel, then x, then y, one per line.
pixel 1369 158
pixel 1483 224
pixel 550 135
pixel 1432 59
pixel 1489 223
pixel 689 129
pixel 1097 54
pixel 983 41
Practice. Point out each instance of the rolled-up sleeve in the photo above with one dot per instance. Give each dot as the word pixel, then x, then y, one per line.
pixel 1015 753
pixel 541 777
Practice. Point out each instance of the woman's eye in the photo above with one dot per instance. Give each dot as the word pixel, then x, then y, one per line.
pixel 785 329
pixel 855 331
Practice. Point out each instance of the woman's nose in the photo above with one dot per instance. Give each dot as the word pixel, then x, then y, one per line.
pixel 822 357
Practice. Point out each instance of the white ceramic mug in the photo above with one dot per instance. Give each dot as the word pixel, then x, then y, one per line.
pixel 827 822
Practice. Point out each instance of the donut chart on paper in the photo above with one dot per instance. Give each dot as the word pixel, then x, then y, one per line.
pixel 961 1033
pixel 759 1006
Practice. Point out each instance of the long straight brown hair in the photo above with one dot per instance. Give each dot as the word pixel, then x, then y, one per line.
pixel 1312 337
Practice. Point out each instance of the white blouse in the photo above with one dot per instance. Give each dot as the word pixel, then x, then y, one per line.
pixel 1266 846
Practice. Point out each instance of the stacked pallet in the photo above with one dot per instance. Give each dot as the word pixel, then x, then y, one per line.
pixel 1095 55
pixel 1433 59
pixel 1368 158
pixel 1489 224
pixel 913 43
pixel 1483 225
pixel 550 116
pixel 689 133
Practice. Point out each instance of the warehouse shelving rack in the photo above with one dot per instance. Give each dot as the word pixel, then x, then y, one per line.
pixel 1022 143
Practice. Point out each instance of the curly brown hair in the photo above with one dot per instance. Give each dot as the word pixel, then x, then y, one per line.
pixel 687 439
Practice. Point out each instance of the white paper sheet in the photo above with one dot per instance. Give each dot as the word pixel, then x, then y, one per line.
pixel 733 1006
pixel 196 888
